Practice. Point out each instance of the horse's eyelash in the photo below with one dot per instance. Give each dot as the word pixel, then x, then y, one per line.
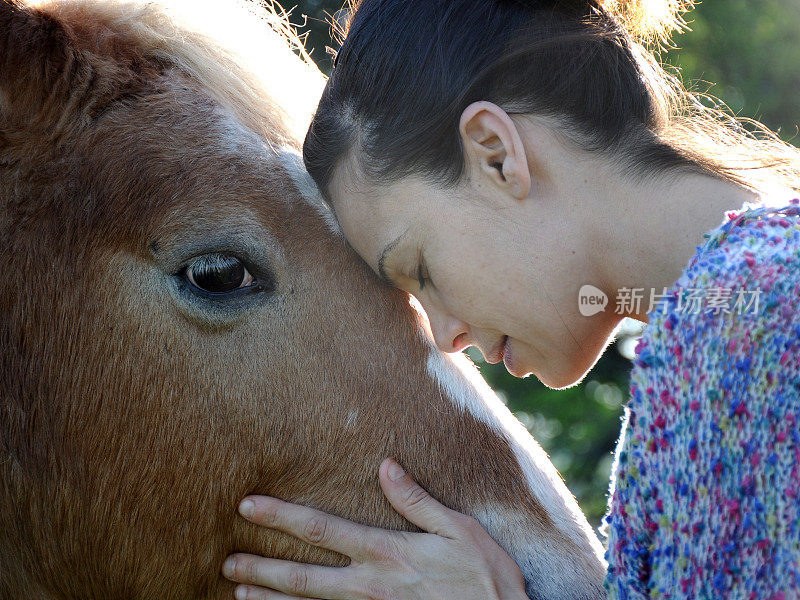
pixel 420 278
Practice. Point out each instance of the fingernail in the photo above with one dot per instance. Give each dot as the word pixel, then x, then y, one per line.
pixel 395 471
pixel 241 593
pixel 247 508
pixel 228 567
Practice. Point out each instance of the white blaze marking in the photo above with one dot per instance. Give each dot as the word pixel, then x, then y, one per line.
pixel 464 386
pixel 292 161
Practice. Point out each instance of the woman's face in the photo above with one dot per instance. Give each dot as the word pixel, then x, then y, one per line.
pixel 497 274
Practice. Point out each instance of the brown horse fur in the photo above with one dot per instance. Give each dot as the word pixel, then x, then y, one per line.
pixel 135 414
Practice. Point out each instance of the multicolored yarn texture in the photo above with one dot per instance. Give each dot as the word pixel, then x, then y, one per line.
pixel 705 498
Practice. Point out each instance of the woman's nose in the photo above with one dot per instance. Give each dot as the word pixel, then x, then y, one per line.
pixel 449 333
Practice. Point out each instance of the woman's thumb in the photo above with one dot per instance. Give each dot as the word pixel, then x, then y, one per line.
pixel 413 502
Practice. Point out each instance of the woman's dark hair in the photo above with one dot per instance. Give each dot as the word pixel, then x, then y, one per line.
pixel 407 69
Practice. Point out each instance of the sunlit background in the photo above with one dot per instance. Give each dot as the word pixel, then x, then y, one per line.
pixel 751 51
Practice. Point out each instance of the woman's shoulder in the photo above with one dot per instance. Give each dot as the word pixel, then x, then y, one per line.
pixel 756 235
pixel 736 298
pixel 705 477
pixel 745 267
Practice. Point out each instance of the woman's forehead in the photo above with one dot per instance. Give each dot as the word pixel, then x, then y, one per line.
pixel 373 217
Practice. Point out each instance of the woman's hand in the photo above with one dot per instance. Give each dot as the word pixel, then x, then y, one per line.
pixel 457 560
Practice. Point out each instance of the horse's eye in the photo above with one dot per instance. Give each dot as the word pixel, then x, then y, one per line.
pixel 218 274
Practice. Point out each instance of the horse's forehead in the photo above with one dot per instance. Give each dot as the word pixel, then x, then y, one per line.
pixel 267 170
pixel 292 161
pixel 270 156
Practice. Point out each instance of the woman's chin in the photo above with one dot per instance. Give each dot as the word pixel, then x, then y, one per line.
pixel 557 375
pixel 566 374
pixel 558 381
pixel 556 371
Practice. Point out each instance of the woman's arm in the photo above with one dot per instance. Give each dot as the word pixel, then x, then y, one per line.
pixel 455 560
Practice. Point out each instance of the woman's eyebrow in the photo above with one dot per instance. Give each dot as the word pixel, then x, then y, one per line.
pixel 384 254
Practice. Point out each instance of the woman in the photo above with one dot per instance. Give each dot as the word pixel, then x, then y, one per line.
pixel 544 142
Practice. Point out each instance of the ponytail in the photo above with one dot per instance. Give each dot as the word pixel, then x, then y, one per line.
pixel 407 70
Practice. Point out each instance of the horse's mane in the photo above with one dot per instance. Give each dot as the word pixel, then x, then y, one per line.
pixel 243 52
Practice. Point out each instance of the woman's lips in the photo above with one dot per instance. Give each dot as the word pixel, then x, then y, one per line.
pixel 508 356
pixel 498 352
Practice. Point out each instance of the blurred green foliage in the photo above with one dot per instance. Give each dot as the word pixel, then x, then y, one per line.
pixel 751 51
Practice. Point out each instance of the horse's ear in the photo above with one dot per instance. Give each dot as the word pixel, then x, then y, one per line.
pixel 35 59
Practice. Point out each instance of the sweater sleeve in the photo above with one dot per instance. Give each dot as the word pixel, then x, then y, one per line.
pixel 705 495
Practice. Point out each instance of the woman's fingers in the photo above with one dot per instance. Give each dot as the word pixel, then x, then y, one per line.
pixel 461 562
pixel 417 505
pixel 312 526
pixel 247 592
pixel 294 579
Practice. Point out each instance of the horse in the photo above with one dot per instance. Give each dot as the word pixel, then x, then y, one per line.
pixel 184 324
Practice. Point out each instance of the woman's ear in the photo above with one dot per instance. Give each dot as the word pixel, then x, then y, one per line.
pixel 493 146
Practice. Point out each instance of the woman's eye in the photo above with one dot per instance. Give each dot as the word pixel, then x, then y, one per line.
pixel 218 274
pixel 421 276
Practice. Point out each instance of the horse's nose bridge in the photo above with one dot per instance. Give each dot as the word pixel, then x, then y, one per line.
pixel 553 565
pixel 536 519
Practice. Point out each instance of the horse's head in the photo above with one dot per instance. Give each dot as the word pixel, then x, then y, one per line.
pixel 183 325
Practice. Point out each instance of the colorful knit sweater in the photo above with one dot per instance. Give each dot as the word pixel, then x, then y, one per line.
pixel 705 497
